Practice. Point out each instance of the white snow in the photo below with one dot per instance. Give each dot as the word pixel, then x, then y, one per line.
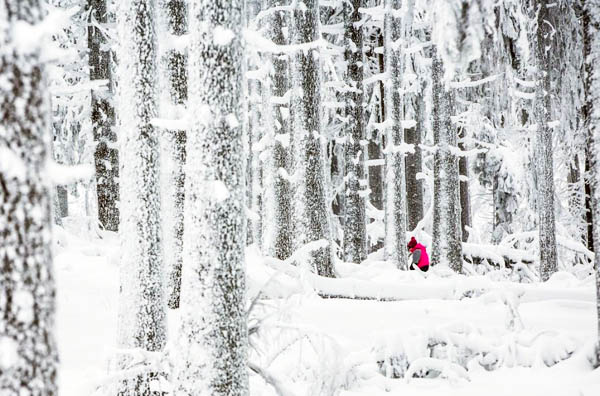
pixel 10 164
pixel 491 336
pixel 23 306
pixel 8 352
pixel 218 191
pixel 223 36
pixel 65 174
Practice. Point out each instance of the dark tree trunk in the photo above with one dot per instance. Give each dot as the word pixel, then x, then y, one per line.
pixel 377 141
pixel 414 187
pixel 62 204
pixel 586 115
pixel 355 232
pixel 465 198
pixel 591 47
pixel 176 141
pixel 106 156
pixel 544 165
pixel 395 181
pixel 588 203
pixel 28 351
pixel 277 192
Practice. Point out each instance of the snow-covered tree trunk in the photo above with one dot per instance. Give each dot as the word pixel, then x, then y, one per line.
pixel 310 222
pixel 255 124
pixel 28 351
pixel 213 336
pixel 588 198
pixel 142 300
pixel 106 155
pixel 174 144
pixel 544 164
pixel 414 165
pixel 61 204
pixel 591 49
pixel 277 192
pixel 447 248
pixel 395 182
pixel 355 233
pixel 376 173
pixel 465 197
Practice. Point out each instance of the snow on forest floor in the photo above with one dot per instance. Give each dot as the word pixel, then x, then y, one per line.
pixel 461 336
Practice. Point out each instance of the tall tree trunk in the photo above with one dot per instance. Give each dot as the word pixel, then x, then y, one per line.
pixel 106 156
pixel 586 113
pixel 310 221
pixel 255 124
pixel 588 202
pixel 465 197
pixel 355 226
pixel 591 48
pixel 574 179
pixel 142 300
pixel 175 140
pixel 27 287
pixel 544 165
pixel 395 182
pixel 61 204
pixel 447 248
pixel 376 147
pixel 213 337
pixel 277 192
pixel 414 187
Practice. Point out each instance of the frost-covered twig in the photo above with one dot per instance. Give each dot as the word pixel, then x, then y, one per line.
pixel 280 389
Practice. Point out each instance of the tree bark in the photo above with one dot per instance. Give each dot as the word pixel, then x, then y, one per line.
pixel 355 225
pixel 106 155
pixel 544 165
pixel 395 182
pixel 175 140
pixel 27 302
pixel 586 112
pixel 447 248
pixel 61 204
pixel 588 202
pixel 376 147
pixel 277 192
pixel 142 300
pixel 255 125
pixel 414 187
pixel 591 36
pixel 213 339
pixel 465 197
pixel 310 220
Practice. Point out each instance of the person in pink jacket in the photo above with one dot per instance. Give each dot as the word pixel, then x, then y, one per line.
pixel 420 259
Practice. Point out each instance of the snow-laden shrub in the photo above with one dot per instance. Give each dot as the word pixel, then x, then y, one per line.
pixel 291 359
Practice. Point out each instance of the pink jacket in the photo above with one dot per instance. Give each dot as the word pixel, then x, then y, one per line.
pixel 424 259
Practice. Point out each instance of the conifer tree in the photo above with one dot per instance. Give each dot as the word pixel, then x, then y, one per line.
pixel 355 233
pixel 277 193
pixel 447 248
pixel 27 303
pixel 142 300
pixel 213 337
pixel 310 221
pixel 544 164
pixel 106 155
pixel 395 182
pixel 591 49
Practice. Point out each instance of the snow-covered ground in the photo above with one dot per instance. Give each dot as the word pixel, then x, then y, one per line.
pixel 449 335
